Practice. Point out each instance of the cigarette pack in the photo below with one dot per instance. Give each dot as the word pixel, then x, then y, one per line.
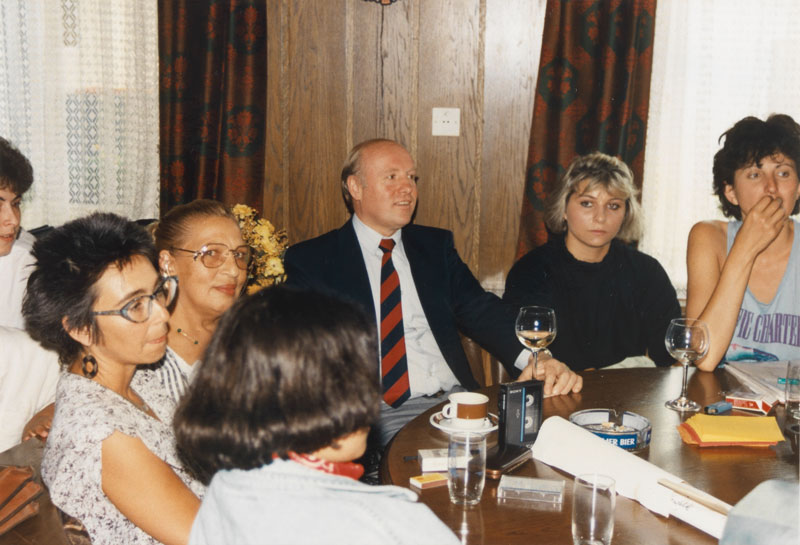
pixel 749 401
pixel 432 459
pixel 531 489
pixel 429 480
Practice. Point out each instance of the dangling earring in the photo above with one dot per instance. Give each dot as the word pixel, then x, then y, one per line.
pixel 88 359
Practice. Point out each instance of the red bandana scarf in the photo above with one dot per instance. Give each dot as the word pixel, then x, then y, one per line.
pixel 345 469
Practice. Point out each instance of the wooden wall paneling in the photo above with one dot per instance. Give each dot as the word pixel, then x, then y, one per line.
pixel 449 167
pixel 365 58
pixel 276 191
pixel 317 115
pixel 513 42
pixel 385 71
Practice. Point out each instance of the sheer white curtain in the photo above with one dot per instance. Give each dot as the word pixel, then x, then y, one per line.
pixel 714 62
pixel 79 97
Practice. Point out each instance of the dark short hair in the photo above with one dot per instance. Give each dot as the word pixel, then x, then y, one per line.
pixel 748 142
pixel 16 172
pixel 69 261
pixel 286 370
pixel 352 166
pixel 172 229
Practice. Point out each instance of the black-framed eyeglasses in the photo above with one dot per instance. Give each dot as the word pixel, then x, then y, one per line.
pixel 138 309
pixel 214 255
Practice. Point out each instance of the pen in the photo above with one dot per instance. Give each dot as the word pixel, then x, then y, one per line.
pixel 698 496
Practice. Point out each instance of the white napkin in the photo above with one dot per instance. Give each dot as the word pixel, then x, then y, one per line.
pixel 564 445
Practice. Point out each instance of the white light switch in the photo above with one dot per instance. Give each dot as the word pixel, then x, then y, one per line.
pixel 446 122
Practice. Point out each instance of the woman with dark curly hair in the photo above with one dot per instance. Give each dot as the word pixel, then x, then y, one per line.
pixel 744 274
pixel 277 412
pixel 96 298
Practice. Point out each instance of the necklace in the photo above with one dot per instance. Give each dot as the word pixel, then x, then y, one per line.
pixel 189 337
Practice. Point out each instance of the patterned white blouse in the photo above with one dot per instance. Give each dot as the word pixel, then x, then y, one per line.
pixel 86 414
pixel 175 374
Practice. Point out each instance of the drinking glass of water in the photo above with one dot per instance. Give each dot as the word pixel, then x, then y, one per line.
pixel 466 466
pixel 793 391
pixel 593 500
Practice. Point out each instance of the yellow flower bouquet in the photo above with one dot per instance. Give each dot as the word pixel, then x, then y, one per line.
pixel 268 246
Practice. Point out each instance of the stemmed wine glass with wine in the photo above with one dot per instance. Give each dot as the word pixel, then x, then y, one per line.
pixel 536 329
pixel 687 342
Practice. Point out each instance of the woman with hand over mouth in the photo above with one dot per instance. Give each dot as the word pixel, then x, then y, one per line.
pixel 744 274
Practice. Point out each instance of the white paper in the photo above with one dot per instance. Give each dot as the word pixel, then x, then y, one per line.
pixel 564 445
pixel 761 377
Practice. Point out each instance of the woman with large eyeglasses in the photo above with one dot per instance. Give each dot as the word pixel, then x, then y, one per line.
pixel 201 244
pixel 96 298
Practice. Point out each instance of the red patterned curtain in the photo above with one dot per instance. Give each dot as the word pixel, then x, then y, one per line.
pixel 213 72
pixel 592 94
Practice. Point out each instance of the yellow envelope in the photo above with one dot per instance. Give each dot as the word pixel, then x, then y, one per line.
pixel 735 429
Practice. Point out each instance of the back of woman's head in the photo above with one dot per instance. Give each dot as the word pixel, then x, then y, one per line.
pixel 601 170
pixel 748 142
pixel 171 230
pixel 286 370
pixel 69 260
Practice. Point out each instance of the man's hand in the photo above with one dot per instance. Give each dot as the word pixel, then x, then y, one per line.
pixel 39 425
pixel 557 377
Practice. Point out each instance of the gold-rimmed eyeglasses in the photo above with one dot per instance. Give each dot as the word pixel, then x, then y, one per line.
pixel 214 255
pixel 139 309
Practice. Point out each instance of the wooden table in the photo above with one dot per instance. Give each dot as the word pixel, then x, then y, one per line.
pixel 728 473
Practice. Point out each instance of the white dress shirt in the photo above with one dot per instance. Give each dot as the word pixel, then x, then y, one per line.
pixel 28 377
pixel 428 371
pixel 15 268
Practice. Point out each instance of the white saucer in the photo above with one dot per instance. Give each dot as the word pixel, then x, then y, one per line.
pixel 446 424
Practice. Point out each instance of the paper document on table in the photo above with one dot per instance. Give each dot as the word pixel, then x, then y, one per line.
pixel 564 445
pixel 761 377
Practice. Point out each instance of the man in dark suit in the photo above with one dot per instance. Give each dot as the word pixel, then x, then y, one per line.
pixel 421 352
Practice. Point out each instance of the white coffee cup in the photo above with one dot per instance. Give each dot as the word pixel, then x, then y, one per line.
pixel 467 410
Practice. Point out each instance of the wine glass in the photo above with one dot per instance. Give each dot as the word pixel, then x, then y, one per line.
pixel 536 329
pixel 687 342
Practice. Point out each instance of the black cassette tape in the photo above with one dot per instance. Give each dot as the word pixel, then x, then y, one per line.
pixel 520 412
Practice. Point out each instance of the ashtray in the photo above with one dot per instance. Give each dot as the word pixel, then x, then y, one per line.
pixel 628 430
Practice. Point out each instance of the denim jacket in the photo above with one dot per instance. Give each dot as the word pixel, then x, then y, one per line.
pixel 287 503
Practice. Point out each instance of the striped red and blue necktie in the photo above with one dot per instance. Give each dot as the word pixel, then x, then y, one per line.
pixel 394 365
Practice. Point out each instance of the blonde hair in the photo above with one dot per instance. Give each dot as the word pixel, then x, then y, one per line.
pixel 604 171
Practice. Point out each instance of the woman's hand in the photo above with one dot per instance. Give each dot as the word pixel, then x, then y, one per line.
pixel 39 426
pixel 761 226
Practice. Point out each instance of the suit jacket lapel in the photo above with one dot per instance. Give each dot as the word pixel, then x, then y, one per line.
pixel 351 270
